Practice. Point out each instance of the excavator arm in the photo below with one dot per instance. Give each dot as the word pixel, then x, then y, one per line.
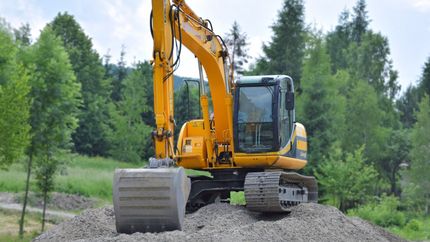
pixel 177 22
pixel 153 199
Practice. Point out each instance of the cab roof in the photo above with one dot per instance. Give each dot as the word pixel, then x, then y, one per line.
pixel 260 79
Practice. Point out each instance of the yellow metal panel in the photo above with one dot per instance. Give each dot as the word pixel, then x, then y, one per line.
pixel 302 145
pixel 289 163
pixel 193 153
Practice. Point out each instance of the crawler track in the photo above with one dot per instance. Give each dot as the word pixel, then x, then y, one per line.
pixel 276 191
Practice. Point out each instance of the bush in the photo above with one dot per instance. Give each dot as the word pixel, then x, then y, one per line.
pixel 414 225
pixel 384 213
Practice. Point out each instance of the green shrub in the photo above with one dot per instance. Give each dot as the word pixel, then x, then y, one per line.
pixel 414 225
pixel 384 213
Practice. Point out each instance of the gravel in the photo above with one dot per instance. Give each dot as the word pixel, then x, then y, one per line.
pixel 224 222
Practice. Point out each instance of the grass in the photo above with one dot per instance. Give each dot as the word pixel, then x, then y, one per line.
pixel 87 176
pixel 415 229
pixel 9 226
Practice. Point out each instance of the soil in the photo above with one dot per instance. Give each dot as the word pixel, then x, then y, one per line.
pixel 224 222
pixel 60 201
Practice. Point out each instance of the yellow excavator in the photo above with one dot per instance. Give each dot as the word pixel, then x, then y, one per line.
pixel 250 143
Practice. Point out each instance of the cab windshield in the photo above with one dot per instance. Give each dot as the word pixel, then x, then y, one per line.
pixel 255 119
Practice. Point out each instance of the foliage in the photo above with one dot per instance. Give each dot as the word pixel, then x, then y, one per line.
pixel 14 103
pixel 417 183
pixel 415 230
pixel 118 76
pixel 396 150
pixel 284 53
pixel 424 84
pixel 407 105
pixel 384 213
pixel 237 43
pixel 322 109
pixel 56 97
pixel 23 34
pixel 130 135
pixel 363 122
pixel 187 105
pixel 346 179
pixel 91 136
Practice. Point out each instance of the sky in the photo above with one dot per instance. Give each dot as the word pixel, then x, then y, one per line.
pixel 115 23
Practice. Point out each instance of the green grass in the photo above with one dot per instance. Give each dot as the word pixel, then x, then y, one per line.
pixel 237 198
pixel 87 176
pixel 12 180
pixel 415 229
pixel 90 176
pixel 9 226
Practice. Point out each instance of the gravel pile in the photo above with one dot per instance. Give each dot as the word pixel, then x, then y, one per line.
pixel 224 222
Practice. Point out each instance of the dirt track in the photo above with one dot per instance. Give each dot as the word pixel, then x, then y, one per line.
pixel 223 222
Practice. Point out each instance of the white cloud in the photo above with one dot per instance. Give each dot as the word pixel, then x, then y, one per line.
pixel 23 11
pixel 421 5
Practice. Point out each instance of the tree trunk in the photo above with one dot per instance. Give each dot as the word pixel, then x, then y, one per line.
pixel 27 186
pixel 393 182
pixel 45 195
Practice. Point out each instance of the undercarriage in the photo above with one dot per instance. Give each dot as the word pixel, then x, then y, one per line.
pixel 154 200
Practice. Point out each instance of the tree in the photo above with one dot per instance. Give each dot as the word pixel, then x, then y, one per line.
pixel 14 103
pixel 365 54
pixel 130 135
pixel 363 122
pixel 396 150
pixel 407 104
pixel 118 77
pixel 91 136
pixel 424 84
pixel 417 177
pixel 187 104
pixel 346 179
pixel 284 54
pixel 360 21
pixel 237 43
pixel 56 96
pixel 23 34
pixel 370 61
pixel 321 107
pixel 338 42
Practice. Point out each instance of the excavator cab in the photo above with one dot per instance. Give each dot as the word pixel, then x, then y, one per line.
pixel 263 113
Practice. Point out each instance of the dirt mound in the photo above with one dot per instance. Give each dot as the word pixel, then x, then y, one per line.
pixel 59 201
pixel 223 222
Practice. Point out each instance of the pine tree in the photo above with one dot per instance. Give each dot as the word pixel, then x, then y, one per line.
pixel 284 54
pixel 424 84
pixel 120 75
pixel 360 21
pixel 338 42
pixel 237 43
pixel 91 136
